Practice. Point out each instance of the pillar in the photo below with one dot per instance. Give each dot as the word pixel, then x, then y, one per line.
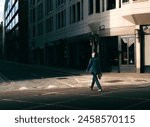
pixel 138 50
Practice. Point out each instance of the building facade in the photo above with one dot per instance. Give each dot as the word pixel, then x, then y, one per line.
pixel 15 46
pixel 1 31
pixel 58 33
pixel 65 32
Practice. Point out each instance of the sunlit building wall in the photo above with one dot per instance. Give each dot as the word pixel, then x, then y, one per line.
pixel 65 32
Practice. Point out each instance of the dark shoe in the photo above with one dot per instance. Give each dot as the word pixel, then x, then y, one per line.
pixel 91 87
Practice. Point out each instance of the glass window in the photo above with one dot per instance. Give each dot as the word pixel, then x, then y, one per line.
pixel 32 2
pixel 49 6
pixel 111 4
pixel 70 14
pixel 58 20
pixel 61 19
pixel 131 50
pixel 124 57
pixel 49 24
pixel 119 3
pixel 33 16
pixel 64 18
pixel 127 47
pixel 73 14
pixel 17 18
pixel 40 11
pixel 13 1
pixel 6 13
pixel 17 6
pixel 12 13
pixel 82 8
pixel 60 2
pixel 90 7
pixel 97 6
pixel 14 10
pixel 103 5
pixel 78 11
pixel 124 1
pixel 14 21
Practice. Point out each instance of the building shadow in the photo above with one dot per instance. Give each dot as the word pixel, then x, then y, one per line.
pixel 11 71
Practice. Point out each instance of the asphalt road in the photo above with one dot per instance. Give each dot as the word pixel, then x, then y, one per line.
pixel 77 98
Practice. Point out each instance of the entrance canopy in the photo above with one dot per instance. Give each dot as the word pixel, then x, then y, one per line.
pixel 138 19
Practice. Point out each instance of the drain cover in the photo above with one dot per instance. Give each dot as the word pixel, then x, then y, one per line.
pixel 141 80
pixel 114 81
pixel 62 78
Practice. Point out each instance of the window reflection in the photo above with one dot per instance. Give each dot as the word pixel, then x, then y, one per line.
pixel 11 19
pixel 124 50
pixel 127 47
pixel 131 50
pixel 124 1
pixel 111 4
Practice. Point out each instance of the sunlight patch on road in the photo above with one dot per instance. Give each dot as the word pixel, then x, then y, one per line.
pixel 82 81
pixel 23 88
pixel 50 86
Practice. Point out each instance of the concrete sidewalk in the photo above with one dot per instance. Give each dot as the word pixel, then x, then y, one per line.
pixel 110 77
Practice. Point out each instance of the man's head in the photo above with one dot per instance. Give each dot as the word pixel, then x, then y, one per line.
pixel 93 54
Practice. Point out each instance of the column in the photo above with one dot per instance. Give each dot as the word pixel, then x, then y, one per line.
pixel 117 4
pixel 138 49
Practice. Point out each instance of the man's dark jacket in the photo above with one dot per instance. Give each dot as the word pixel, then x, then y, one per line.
pixel 94 66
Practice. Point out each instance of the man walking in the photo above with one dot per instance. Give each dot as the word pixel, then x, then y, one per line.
pixel 95 69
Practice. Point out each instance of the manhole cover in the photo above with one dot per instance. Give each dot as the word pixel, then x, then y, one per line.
pixel 114 81
pixel 140 80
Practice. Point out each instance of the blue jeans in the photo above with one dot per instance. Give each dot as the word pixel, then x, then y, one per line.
pixel 95 79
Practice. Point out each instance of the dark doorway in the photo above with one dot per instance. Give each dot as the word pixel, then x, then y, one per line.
pixel 127 54
pixel 109 54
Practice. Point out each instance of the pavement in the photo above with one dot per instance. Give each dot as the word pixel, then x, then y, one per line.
pixel 73 78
